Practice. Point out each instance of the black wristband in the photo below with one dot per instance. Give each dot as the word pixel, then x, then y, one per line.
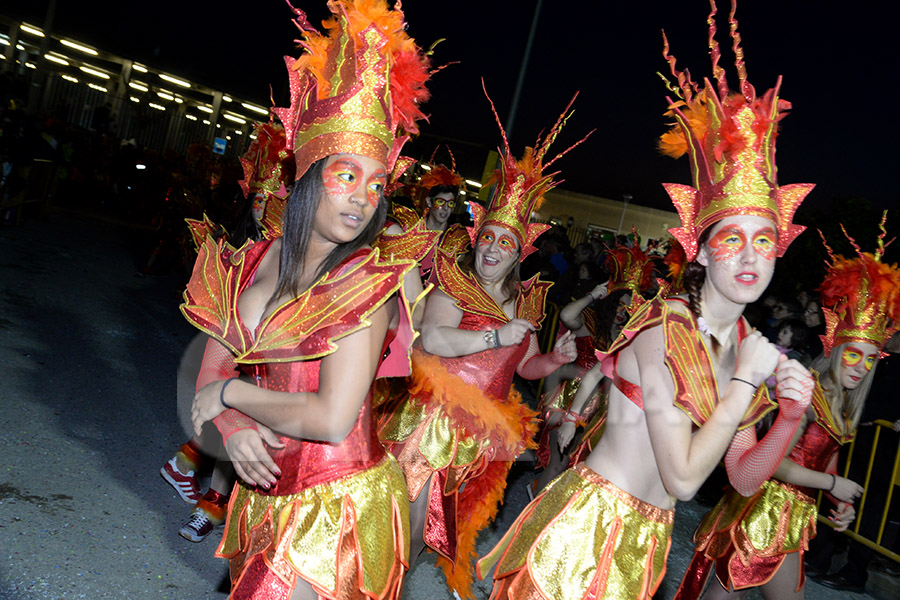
pixel 833 481
pixel 744 381
pixel 222 392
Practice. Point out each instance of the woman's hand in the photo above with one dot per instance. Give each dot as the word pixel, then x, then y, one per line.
pixel 565 351
pixel 207 404
pixel 514 332
pixel 843 516
pixel 846 490
pixel 793 387
pixel 600 291
pixel 247 451
pixel 564 436
pixel 757 359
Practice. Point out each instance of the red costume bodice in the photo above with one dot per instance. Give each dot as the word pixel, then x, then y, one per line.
pixel 285 351
pixel 821 441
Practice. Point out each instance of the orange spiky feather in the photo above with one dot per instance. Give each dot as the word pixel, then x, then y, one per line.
pixel 860 296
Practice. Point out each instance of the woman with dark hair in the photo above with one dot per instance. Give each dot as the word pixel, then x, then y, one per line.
pixel 759 540
pixel 687 373
pixel 320 509
pixel 462 424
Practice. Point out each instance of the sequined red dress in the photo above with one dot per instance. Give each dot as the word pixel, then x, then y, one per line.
pixel 463 422
pixel 338 515
pixel 747 539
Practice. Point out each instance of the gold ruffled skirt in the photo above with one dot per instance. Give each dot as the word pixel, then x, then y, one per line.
pixel 622 544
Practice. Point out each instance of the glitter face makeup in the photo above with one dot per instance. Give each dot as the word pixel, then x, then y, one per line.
pixel 857 360
pixel 728 243
pixel 853 356
pixel 343 177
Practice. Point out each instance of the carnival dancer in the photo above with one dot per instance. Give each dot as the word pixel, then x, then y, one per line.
pixel 760 540
pixel 268 171
pixel 563 408
pixel 462 423
pixel 326 515
pixel 687 372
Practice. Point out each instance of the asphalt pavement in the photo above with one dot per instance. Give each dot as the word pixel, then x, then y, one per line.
pixel 88 415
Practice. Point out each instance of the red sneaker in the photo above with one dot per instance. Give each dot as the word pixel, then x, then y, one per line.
pixel 184 483
pixel 198 526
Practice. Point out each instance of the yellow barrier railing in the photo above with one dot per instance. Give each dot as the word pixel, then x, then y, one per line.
pixel 894 481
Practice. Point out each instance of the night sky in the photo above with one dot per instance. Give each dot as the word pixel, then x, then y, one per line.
pixel 839 65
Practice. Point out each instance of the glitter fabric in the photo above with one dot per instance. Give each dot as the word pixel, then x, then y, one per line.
pixel 630 268
pixel 267 168
pixel 622 544
pixel 687 358
pixel 338 514
pixel 860 297
pixel 462 421
pixel 521 186
pixel 747 538
pixel 730 139
pixel 357 88
pixel 413 244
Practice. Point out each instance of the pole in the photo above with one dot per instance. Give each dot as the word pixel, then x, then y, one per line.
pixel 511 121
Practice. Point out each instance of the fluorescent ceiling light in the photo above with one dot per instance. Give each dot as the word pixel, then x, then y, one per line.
pixel 205 109
pixel 425 167
pixel 473 183
pixel 32 30
pixel 156 106
pixel 165 96
pixel 57 60
pixel 134 99
pixel 94 72
pixel 138 86
pixel 226 98
pixel 70 78
pixel 255 108
pixel 191 117
pixel 99 88
pixel 175 80
pixel 31 65
pixel 140 68
pixel 234 118
pixel 78 46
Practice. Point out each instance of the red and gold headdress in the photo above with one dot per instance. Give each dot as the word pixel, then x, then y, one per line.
pixel 358 87
pixel 630 268
pixel 439 175
pixel 521 186
pixel 267 167
pixel 860 297
pixel 730 139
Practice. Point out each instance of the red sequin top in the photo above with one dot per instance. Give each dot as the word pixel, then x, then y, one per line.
pixel 284 352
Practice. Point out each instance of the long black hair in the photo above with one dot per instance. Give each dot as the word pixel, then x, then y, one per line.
pixel 299 222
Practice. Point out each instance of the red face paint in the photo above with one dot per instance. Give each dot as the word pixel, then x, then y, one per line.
pixel 342 178
pixel 764 243
pixel 507 244
pixel 486 238
pixel 727 243
pixel 852 356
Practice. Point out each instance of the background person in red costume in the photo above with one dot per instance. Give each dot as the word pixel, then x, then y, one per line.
pixel 321 509
pixel 687 372
pixel 760 540
pixel 462 424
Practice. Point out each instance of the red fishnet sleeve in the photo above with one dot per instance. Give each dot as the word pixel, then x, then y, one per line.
pixel 536 366
pixel 218 364
pixel 750 463
pixel 231 421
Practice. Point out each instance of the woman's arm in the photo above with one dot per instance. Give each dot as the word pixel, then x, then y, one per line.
pixel 750 462
pixel 840 489
pixel 537 366
pixel 570 315
pixel 585 390
pixel 441 335
pixel 345 378
pixel 686 458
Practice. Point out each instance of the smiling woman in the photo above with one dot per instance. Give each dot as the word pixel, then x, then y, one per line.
pixel 462 424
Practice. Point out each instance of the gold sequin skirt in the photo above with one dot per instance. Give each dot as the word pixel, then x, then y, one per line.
pixel 620 544
pixel 748 538
pixel 348 538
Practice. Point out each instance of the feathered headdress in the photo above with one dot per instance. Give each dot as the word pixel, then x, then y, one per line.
pixel 439 175
pixel 676 262
pixel 860 297
pixel 630 268
pixel 358 87
pixel 730 139
pixel 268 166
pixel 521 186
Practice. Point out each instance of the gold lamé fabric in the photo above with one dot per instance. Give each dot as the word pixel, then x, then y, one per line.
pixel 747 538
pixel 348 538
pixel 688 361
pixel 621 541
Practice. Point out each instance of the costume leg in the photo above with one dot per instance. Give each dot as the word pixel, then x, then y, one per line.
pixel 783 585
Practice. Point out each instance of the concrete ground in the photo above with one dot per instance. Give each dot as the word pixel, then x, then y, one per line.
pixel 88 415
